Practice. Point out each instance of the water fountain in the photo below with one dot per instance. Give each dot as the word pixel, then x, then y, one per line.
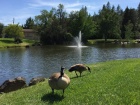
pixel 79 46
pixel 78 41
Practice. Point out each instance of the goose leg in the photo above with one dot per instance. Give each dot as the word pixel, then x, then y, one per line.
pixel 80 74
pixel 52 90
pixel 76 74
pixel 63 92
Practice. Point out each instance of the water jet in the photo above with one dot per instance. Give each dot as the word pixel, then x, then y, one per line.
pixel 78 40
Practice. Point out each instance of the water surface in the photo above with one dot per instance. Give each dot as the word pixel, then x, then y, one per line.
pixel 43 61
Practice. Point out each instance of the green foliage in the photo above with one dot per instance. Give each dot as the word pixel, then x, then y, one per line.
pixel 89 29
pixel 128 30
pixel 51 26
pixel 87 25
pixel 130 15
pixel 1 29
pixel 14 31
pixel 109 83
pixel 73 23
pixel 81 21
pixel 109 22
pixel 29 23
pixel 138 24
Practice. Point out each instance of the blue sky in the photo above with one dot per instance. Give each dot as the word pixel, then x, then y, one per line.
pixel 20 10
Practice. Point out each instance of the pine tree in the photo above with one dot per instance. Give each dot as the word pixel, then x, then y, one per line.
pixel 109 22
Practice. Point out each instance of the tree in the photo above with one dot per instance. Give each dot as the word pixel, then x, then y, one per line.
pixel 61 14
pixel 52 26
pixel 109 22
pixel 1 29
pixel 128 30
pixel 138 18
pixel 42 23
pixel 61 26
pixel 81 21
pixel 58 27
pixel 73 23
pixel 89 29
pixel 29 23
pixel 14 31
pixel 130 15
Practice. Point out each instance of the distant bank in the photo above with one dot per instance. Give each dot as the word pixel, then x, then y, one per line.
pixel 9 43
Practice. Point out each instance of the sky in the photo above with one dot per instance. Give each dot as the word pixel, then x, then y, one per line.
pixel 21 10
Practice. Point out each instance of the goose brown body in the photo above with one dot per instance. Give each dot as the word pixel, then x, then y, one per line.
pixel 59 81
pixel 80 68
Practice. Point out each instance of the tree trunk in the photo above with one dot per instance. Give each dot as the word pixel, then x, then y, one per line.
pixel 105 36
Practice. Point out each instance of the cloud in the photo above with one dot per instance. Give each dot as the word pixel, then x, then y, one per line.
pixel 32 8
pixel 54 4
pixel 69 5
pixel 41 3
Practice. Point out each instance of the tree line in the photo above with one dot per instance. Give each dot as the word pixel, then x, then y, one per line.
pixel 58 27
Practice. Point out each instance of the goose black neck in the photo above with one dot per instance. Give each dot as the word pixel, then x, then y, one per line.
pixel 61 72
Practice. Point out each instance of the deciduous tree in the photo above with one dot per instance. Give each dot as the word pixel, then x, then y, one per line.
pixel 14 31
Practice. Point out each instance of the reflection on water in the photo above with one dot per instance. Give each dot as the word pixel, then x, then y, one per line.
pixel 43 61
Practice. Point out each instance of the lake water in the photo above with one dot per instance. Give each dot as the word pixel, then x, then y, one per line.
pixel 43 61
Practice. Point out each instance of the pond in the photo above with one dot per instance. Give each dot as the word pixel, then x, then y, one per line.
pixel 43 61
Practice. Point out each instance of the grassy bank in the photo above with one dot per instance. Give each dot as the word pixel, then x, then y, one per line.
pixel 97 41
pixel 9 42
pixel 109 83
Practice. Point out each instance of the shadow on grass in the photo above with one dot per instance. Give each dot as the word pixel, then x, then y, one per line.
pixel 51 98
pixel 77 77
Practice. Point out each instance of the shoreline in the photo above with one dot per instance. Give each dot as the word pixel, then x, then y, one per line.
pixel 9 43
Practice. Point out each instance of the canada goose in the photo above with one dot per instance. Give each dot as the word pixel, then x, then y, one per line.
pixel 59 81
pixel 80 68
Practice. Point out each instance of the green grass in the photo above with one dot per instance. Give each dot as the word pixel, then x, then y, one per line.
pixel 109 83
pixel 96 41
pixel 9 42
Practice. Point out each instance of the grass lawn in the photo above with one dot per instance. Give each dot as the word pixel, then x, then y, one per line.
pixel 9 42
pixel 109 83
